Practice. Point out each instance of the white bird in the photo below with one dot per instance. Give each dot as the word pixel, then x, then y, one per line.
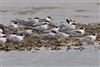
pixel 3 39
pixel 55 28
pixel 39 23
pixel 91 37
pixel 68 21
pixel 17 20
pixel 63 24
pixel 78 32
pixel 50 34
pixel 62 34
pixel 15 38
pixel 14 25
pixel 1 34
pixel 25 32
pixel 72 26
pixel 49 19
pixel 36 19
pixel 68 28
pixel 41 27
pixel 72 21
pixel 29 20
pixel 1 30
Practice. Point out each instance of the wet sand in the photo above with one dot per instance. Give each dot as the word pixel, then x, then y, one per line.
pixel 51 59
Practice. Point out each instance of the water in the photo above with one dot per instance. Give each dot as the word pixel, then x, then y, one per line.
pixel 86 11
pixel 51 59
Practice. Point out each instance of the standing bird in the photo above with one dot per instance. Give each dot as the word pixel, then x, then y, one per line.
pixel 41 28
pixel 78 32
pixel 3 39
pixel 37 19
pixel 55 28
pixel 2 34
pixel 89 38
pixel 68 28
pixel 49 19
pixel 62 34
pixel 15 38
pixel 25 32
pixel 18 21
pixel 14 25
pixel 50 34
pixel 1 30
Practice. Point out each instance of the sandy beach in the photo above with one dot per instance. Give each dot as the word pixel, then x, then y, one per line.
pixel 86 11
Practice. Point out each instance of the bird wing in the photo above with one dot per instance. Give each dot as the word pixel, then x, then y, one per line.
pixel 75 33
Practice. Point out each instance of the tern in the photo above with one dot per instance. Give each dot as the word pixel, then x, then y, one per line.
pixel 78 32
pixel 68 28
pixel 3 39
pixel 62 34
pixel 25 32
pixel 1 29
pixel 49 19
pixel 55 28
pixel 15 38
pixel 14 25
pixel 91 37
pixel 41 27
pixel 50 34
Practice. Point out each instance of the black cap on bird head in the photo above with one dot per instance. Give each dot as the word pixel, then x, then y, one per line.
pixel 53 31
pixel 94 34
pixel 74 24
pixel 48 16
pixel 71 20
pixel 15 22
pixel 36 18
pixel 82 28
pixel 2 29
pixel 67 21
pixel 45 23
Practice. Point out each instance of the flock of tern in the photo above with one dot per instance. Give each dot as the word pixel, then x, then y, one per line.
pixel 46 28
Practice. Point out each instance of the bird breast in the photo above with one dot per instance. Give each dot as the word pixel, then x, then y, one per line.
pixel 3 40
pixel 1 30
